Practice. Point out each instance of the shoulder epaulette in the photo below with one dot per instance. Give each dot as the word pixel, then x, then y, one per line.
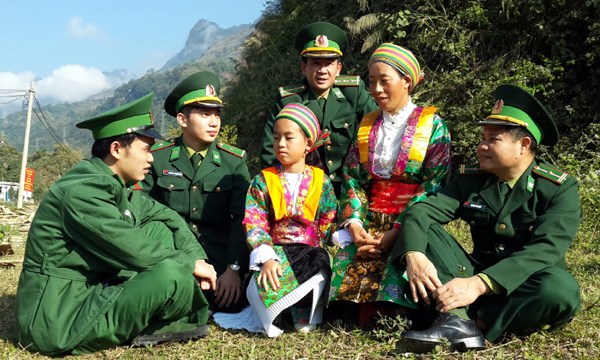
pixel 347 80
pixel 162 145
pixel 232 150
pixel 286 91
pixel 551 173
pixel 470 170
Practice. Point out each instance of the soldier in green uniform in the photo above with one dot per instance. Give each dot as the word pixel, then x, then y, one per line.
pixel 206 182
pixel 104 264
pixel 338 101
pixel 523 214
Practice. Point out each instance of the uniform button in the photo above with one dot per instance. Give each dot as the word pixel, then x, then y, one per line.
pixel 194 227
pixel 194 210
pixel 501 247
pixel 218 189
pixel 461 268
pixel 531 228
pixel 332 176
pixel 346 125
pixel 328 147
pixel 502 227
pixel 194 188
pixel 170 186
pixel 472 223
pixel 329 162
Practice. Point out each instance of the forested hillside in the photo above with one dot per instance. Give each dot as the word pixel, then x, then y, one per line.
pixel 467 48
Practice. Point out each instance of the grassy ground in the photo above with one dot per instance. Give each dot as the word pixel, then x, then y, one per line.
pixel 578 340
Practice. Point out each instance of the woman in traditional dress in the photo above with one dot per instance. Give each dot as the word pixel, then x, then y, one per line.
pixel 290 209
pixel 401 155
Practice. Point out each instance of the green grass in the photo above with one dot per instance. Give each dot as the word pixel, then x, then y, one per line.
pixel 578 340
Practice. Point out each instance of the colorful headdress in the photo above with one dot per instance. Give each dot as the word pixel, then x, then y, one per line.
pixel 307 121
pixel 400 59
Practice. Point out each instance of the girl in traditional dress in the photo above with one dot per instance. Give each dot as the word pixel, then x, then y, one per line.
pixel 290 209
pixel 401 155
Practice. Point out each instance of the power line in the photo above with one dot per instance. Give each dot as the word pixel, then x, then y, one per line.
pixel 48 124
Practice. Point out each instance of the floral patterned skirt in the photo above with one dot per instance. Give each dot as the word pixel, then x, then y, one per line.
pixel 361 280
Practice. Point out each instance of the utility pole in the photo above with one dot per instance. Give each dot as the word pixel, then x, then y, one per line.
pixel 25 150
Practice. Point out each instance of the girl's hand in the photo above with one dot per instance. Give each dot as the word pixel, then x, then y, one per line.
pixel 269 274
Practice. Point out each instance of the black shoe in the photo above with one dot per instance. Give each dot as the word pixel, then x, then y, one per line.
pixel 462 335
pixel 174 336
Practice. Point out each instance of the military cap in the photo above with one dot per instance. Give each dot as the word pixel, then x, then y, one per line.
pixel 133 117
pixel 516 107
pixel 321 40
pixel 200 89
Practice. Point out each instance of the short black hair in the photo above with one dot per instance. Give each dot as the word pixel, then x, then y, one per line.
pixel 187 109
pixel 519 132
pixel 101 147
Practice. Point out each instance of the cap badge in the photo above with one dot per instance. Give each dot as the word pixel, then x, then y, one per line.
pixel 210 90
pixel 321 41
pixel 498 107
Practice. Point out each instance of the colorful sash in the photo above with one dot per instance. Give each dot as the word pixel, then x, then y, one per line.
pixel 282 205
pixel 415 139
pixel 390 197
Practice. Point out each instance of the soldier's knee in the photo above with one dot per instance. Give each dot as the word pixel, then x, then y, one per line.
pixel 558 290
pixel 170 273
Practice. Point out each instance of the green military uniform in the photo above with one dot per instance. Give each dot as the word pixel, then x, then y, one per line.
pixel 102 263
pixel 211 200
pixel 346 103
pixel 520 238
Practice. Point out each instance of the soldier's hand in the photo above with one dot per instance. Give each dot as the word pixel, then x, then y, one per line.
pixel 387 239
pixel 229 288
pixel 269 274
pixel 422 276
pixel 459 292
pixel 206 275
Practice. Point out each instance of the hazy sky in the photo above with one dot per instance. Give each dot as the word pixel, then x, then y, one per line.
pixel 66 44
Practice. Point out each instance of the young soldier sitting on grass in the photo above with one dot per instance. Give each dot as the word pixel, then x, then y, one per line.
pixel 105 265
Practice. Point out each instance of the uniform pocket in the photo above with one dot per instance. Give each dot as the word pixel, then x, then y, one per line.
pixel 173 192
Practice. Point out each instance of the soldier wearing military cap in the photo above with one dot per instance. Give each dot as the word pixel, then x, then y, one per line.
pixel 523 214
pixel 339 101
pixel 205 181
pixel 105 265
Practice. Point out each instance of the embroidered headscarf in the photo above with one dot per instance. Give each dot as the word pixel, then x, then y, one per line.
pixel 400 59
pixel 307 121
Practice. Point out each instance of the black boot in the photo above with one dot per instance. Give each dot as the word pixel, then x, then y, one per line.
pixel 173 332
pixel 462 335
